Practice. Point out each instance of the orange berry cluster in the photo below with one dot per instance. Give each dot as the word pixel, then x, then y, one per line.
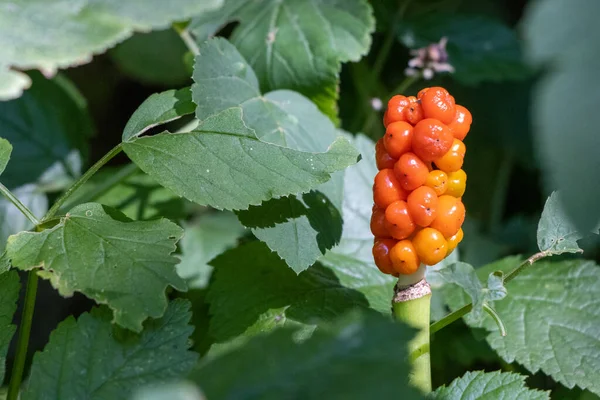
pixel 418 212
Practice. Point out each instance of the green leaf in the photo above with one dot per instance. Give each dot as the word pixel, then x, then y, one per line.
pixel 222 164
pixel 47 127
pixel 99 252
pixel 12 220
pixel 62 33
pixel 557 36
pixel 159 109
pixel 479 48
pixel 5 150
pixel 203 240
pixel 464 276
pixel 556 233
pixel 488 386
pixel 154 58
pixel 329 365
pixel 132 192
pixel 91 359
pixel 551 318
pixel 295 45
pixel 253 291
pixel 352 260
pixel 300 228
pixel 9 295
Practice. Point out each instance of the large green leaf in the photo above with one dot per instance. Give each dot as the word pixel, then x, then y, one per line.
pixel 358 357
pixel 45 127
pixel 9 295
pixel 204 239
pixel 551 317
pixel 556 233
pixel 91 359
pixel 99 252
pixel 155 58
pixel 51 34
pixel 12 220
pixel 479 48
pixel 558 36
pixel 352 260
pixel 223 164
pixel 299 228
pixel 253 291
pixel 488 386
pixel 295 44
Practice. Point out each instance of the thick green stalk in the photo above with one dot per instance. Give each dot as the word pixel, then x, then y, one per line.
pixel 23 338
pixel 411 305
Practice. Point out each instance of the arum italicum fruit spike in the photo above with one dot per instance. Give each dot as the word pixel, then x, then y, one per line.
pixel 418 211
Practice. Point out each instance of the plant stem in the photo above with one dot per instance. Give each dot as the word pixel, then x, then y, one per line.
pixel 464 310
pixel 187 39
pixel 496 318
pixel 23 338
pixel 22 207
pixel 104 186
pixel 411 305
pixel 83 179
pixel 388 42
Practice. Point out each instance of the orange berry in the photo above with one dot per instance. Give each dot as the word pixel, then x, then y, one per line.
pixel 450 216
pixel 387 189
pixel 382 157
pixel 422 205
pixel 461 123
pixel 413 113
pixel 438 181
pixel 381 255
pixel 430 245
pixel 411 171
pixel 437 103
pixel 421 93
pixel 398 221
pixel 431 139
pixel 378 224
pixel 404 258
pixel 453 159
pixel 412 99
pixel 457 183
pixel 395 109
pixel 454 241
pixel 397 138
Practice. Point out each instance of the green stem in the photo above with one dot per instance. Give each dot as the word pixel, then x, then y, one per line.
pixel 104 186
pixel 22 207
pixel 23 338
pixel 496 318
pixel 189 41
pixel 388 42
pixel 411 305
pixel 83 179
pixel 464 310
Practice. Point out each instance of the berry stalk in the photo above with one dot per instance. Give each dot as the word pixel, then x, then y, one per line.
pixel 411 305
